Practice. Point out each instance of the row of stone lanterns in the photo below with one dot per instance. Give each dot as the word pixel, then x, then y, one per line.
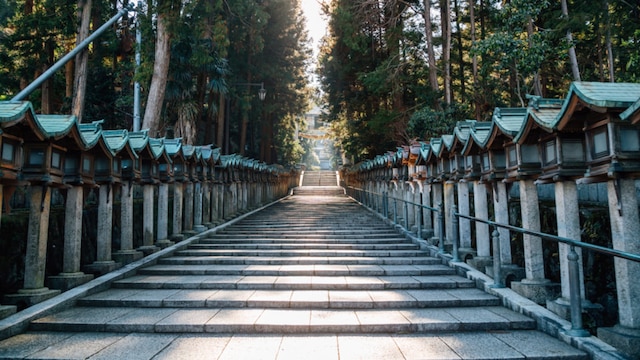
pixel 592 136
pixel 45 152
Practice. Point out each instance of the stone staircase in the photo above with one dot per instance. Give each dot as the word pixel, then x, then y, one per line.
pixel 309 277
pixel 319 178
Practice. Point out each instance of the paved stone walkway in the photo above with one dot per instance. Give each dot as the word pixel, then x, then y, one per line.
pixel 312 277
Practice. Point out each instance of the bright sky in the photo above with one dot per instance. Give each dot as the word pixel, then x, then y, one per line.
pixel 315 23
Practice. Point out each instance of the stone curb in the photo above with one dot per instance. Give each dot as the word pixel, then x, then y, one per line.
pixel 19 322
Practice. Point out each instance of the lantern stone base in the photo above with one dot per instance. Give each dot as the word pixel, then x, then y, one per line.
pixel 148 249
pixel 7 310
pixel 539 290
pixel 176 238
pixel 102 267
pixel 29 297
pixel 481 262
pixel 622 338
pixel 164 243
pixel 466 253
pixel 189 233
pixel 127 256
pixel 199 228
pixel 510 273
pixel 562 307
pixel 66 281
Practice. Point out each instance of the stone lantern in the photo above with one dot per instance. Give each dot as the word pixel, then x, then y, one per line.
pixel 461 135
pixel 478 134
pixel 190 177
pixel 521 159
pixel 10 157
pixel 602 112
pixel 11 154
pixel 437 166
pixel 124 174
pixel 149 178
pixel 560 155
pixel 98 167
pixel 43 168
pixel 163 163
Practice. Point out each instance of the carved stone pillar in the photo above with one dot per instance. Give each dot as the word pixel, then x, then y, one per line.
pixel 71 276
pixel 126 254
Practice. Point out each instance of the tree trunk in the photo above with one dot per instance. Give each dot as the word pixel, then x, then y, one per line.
pixel 575 70
pixel 46 88
pixel 222 110
pixel 608 41
pixel 68 76
pixel 463 89
pixel 81 60
pixel 537 86
pixel 445 10
pixel 428 29
pixel 155 100
pixel 474 61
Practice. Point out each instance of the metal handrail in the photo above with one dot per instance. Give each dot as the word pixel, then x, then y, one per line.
pixel 574 267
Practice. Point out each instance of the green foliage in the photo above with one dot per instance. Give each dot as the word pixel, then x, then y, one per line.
pixel 290 151
pixel 428 123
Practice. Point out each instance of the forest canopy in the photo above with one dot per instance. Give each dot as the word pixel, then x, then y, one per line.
pixel 202 65
pixel 396 70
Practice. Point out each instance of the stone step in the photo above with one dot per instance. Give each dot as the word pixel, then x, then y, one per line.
pixel 351 281
pixel 511 344
pixel 304 236
pixel 329 230
pixel 307 299
pixel 279 321
pixel 319 190
pixel 293 282
pixel 302 252
pixel 298 270
pixel 274 240
pixel 304 245
pixel 296 260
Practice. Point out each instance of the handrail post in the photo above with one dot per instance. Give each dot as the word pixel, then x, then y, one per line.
pixel 395 211
pixel 455 237
pixel 497 263
pixel 385 204
pixel 441 233
pixel 574 294
pixel 419 221
pixel 406 215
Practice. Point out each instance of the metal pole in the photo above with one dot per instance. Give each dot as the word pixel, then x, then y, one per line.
pixel 136 85
pixel 441 233
pixel 395 211
pixel 60 63
pixel 385 204
pixel 419 221
pixel 497 264
pixel 574 291
pixel 406 215
pixel 455 237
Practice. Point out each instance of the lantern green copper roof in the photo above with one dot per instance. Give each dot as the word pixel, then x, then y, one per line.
pixel 509 121
pixel 542 113
pixel 447 140
pixel 631 111
pixel 597 95
pixel 14 111
pixel 90 133
pixel 116 140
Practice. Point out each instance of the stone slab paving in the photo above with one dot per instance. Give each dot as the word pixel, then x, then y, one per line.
pixel 278 287
pixel 525 344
